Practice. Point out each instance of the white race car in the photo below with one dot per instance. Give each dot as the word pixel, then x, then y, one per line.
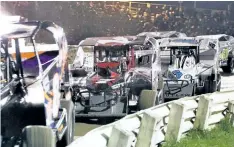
pixel 189 69
pixel 226 50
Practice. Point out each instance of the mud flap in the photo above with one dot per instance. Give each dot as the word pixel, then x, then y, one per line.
pixel 38 136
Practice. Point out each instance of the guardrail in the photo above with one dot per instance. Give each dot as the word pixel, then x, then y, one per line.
pixel 161 123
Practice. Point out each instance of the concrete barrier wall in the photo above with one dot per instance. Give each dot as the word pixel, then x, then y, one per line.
pixel 168 121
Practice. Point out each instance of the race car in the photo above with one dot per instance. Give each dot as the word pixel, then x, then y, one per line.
pixel 85 53
pixel 226 50
pixel 145 76
pixel 35 110
pixel 105 90
pixel 190 67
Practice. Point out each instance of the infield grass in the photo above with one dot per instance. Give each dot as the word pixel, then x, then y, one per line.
pixel 221 136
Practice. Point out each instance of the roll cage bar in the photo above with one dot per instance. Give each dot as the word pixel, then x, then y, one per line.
pixel 174 48
pixel 23 30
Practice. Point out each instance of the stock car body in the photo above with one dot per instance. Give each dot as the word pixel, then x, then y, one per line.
pixel 190 67
pixel 145 74
pixel 226 50
pixel 104 90
pixel 85 52
pixel 33 109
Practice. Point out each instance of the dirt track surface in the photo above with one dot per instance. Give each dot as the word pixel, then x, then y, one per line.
pixel 83 126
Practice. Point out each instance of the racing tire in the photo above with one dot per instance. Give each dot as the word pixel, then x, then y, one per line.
pixel 230 66
pixel 69 134
pixel 210 86
pixel 38 136
pixel 147 99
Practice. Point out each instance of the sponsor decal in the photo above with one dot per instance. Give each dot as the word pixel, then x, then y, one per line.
pixel 177 73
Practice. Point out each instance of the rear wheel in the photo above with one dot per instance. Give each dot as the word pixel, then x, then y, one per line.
pixel 211 85
pixel 230 65
pixel 69 134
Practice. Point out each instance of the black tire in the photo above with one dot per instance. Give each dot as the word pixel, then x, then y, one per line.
pixel 69 134
pixel 210 86
pixel 230 66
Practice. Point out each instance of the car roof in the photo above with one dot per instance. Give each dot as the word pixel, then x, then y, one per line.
pixel 18 30
pixel 179 42
pixel 217 36
pixel 27 29
pixel 162 34
pixel 107 41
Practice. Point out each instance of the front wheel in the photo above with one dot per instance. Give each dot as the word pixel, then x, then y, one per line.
pixel 210 86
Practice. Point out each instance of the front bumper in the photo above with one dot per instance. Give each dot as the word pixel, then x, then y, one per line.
pixel 177 89
pixel 108 103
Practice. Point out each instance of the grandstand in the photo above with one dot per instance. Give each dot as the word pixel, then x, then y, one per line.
pixel 93 19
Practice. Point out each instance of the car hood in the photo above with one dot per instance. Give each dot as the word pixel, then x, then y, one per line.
pixel 183 74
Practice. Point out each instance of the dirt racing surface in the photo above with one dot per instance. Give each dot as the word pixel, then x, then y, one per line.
pixel 85 125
